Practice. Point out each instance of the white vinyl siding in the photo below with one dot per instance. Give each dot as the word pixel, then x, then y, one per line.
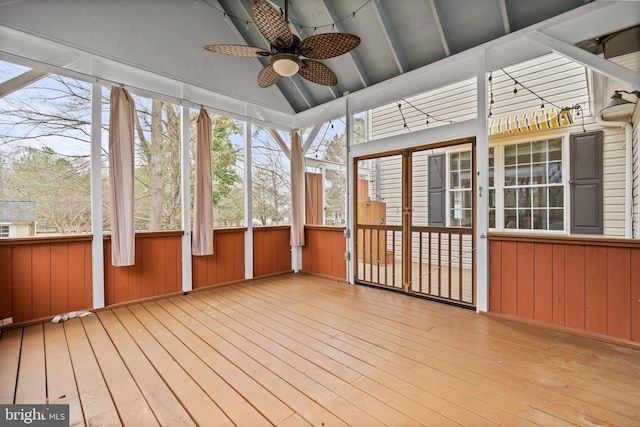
pixel 453 103
pixel 552 77
pixel 613 182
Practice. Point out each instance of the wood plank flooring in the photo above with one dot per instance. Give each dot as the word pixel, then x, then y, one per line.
pixel 298 350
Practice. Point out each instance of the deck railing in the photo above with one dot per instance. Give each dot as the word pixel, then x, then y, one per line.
pixel 442 260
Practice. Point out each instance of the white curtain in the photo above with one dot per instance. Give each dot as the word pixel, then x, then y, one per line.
pixel 123 251
pixel 297 190
pixel 202 238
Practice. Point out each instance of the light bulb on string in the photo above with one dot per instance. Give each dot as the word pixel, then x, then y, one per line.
pixel 515 88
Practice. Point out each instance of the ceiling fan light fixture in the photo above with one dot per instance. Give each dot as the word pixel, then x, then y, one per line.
pixel 285 64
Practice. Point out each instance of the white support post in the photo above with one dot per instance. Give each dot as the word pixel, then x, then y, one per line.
pixel 323 208
pixel 482 189
pixel 248 203
pixel 97 242
pixel 296 251
pixel 296 258
pixel 351 190
pixel 185 192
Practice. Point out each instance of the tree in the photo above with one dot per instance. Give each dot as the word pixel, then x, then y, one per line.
pixel 157 189
pixel 54 112
pixel 336 151
pixel 60 186
pixel 271 184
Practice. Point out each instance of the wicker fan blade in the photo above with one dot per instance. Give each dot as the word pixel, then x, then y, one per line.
pixel 237 50
pixel 272 26
pixel 328 45
pixel 317 72
pixel 268 76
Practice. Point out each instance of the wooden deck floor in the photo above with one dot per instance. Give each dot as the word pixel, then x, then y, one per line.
pixel 300 350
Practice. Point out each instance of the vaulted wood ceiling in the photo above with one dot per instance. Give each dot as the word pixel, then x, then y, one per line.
pixel 407 46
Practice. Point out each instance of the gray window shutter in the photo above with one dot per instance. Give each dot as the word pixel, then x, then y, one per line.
pixel 586 183
pixel 437 191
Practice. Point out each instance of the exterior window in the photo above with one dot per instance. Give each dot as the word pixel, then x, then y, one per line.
pixel 533 189
pixel 4 231
pixel 460 212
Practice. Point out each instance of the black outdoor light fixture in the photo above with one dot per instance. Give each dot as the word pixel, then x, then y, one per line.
pixel 618 105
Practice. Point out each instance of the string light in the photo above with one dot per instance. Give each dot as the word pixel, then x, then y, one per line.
pixel 542 100
pixel 427 115
pixel 331 25
pixel 491 102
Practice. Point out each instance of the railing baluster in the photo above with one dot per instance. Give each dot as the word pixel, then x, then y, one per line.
pixel 371 255
pixel 460 267
pixel 420 263
pixel 429 241
pixel 378 259
pixel 393 266
pixel 449 260
pixel 439 264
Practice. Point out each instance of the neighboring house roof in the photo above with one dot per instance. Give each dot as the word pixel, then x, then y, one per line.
pixel 21 211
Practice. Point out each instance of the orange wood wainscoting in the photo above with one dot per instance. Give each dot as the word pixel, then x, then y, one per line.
pixel 584 285
pixel 323 253
pixel 42 277
pixel 271 250
pixel 226 265
pixel 157 270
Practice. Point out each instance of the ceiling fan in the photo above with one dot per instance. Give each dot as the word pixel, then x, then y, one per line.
pixel 290 55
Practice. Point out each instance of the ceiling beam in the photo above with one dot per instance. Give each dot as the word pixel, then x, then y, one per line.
pixel 283 145
pixel 360 70
pixel 310 138
pixel 20 81
pixel 505 16
pixel 588 59
pixel 390 34
pixel 436 18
